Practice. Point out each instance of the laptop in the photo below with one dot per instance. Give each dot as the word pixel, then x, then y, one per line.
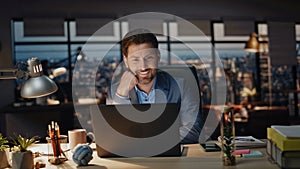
pixel 138 130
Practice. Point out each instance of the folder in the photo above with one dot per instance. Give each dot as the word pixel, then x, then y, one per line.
pixel 286 138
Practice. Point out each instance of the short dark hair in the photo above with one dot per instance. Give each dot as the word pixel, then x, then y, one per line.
pixel 138 36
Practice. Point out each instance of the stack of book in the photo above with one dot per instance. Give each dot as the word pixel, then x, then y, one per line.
pixel 284 145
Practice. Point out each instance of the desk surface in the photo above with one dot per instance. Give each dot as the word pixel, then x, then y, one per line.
pixel 196 158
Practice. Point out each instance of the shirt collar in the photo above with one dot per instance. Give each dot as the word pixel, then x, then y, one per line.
pixel 153 87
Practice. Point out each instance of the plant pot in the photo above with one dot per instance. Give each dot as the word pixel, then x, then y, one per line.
pixel 3 159
pixel 22 160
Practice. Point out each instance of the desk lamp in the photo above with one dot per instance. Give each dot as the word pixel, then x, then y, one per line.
pixel 37 85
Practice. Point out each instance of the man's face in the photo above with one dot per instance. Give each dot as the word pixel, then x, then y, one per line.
pixel 142 60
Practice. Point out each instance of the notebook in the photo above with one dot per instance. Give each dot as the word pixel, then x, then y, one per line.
pixel 247 142
pixel 139 130
pixel 288 131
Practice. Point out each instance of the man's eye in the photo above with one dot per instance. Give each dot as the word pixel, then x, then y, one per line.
pixel 150 58
pixel 135 60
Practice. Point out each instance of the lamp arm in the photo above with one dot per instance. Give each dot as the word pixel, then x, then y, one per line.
pixel 12 73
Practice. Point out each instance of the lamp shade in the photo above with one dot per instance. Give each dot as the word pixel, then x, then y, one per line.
pixel 38 87
pixel 252 44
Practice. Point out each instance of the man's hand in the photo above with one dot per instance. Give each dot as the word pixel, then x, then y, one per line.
pixel 127 82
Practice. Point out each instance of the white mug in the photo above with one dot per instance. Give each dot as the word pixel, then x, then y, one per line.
pixel 78 136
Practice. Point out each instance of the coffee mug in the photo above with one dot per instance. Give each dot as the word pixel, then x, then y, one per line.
pixel 78 136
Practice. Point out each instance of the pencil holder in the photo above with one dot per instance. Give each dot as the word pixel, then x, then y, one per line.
pixel 227 136
pixel 57 147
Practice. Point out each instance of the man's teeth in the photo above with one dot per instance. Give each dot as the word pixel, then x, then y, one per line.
pixel 144 72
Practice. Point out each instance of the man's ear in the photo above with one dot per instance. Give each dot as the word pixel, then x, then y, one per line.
pixel 158 56
pixel 125 60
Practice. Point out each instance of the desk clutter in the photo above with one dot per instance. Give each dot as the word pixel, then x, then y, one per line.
pixel 283 145
pixel 23 152
pixel 54 140
pixel 195 158
pixel 54 153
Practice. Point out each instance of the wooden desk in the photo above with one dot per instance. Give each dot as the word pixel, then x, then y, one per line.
pixel 196 158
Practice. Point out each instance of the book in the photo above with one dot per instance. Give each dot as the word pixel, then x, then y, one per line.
pixel 253 154
pixel 285 137
pixel 285 159
pixel 247 142
pixel 288 131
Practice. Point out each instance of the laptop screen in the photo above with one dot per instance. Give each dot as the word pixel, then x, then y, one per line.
pixel 138 130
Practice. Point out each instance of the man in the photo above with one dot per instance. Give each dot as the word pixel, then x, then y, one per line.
pixel 143 83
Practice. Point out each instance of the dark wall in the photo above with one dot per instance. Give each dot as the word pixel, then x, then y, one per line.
pixel 33 120
pixel 267 9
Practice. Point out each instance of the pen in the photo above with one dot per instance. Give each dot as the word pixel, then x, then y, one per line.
pixel 56 137
pixel 52 136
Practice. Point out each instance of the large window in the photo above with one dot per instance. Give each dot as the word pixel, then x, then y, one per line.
pixel 60 43
pixel 229 41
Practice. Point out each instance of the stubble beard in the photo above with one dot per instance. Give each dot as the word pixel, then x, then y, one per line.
pixel 146 80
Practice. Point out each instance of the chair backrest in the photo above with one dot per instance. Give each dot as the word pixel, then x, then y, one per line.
pixel 183 71
pixel 189 73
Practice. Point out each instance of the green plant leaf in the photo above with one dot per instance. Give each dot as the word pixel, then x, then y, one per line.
pixel 3 143
pixel 23 143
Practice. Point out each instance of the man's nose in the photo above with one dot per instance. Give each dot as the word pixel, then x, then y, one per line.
pixel 144 64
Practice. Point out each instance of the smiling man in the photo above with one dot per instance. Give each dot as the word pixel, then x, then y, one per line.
pixel 142 82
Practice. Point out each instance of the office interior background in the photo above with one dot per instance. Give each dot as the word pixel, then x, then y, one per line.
pixel 54 31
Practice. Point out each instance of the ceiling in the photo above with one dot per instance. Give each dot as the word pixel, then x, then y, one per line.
pixel 260 10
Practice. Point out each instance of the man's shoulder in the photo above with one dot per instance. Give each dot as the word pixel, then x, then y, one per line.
pixel 167 81
pixel 163 75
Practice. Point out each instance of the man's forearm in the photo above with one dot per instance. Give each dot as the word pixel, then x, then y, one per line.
pixel 117 99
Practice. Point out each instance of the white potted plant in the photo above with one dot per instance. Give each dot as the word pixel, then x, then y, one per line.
pixel 22 158
pixel 3 152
